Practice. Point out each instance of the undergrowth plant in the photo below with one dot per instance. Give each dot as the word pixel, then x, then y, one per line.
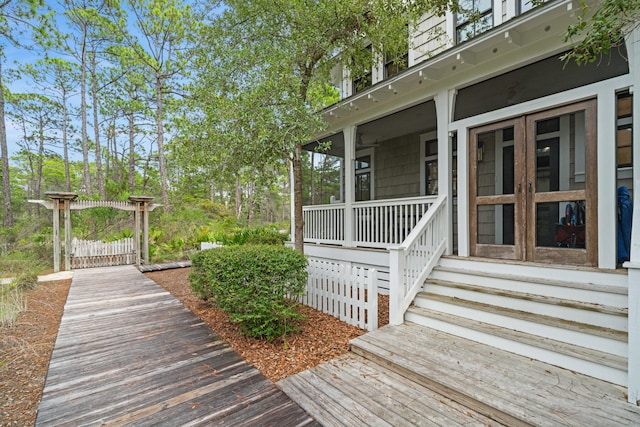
pixel 253 284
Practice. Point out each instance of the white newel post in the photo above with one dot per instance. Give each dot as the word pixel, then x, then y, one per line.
pixel 396 285
pixel 634 265
pixel 349 184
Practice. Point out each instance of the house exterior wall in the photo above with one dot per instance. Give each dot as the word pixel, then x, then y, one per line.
pixel 397 168
pixel 429 38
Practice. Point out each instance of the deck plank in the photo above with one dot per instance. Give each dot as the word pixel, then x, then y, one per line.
pixel 127 352
pixel 530 390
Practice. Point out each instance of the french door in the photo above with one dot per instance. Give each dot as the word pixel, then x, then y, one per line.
pixel 533 187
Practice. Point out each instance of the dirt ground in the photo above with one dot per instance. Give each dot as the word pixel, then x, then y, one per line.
pixel 26 346
pixel 25 350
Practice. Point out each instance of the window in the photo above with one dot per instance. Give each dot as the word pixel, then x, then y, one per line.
pixel 397 61
pixel 364 176
pixel 429 166
pixel 476 17
pixel 624 135
pixel 364 79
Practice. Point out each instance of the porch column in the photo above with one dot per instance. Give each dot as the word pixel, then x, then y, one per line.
pixel 349 184
pixel 606 170
pixel 444 159
pixel 633 44
pixel 463 193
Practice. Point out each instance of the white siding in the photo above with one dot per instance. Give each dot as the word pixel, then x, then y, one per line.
pixel 429 39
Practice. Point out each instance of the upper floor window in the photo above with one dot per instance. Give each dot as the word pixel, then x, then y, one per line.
pixel 476 17
pixel 364 78
pixel 525 5
pixel 393 66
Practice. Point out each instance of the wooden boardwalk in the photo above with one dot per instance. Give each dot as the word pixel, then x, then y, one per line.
pixel 128 353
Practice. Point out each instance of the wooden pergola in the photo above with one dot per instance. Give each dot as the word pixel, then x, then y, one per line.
pixel 65 202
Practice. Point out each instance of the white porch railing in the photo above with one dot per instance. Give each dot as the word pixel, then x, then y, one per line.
pixel 96 253
pixel 346 292
pixel 411 263
pixel 381 223
pixel 376 224
pixel 324 223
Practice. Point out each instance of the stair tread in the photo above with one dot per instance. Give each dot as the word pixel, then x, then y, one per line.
pixel 595 356
pixel 621 290
pixel 580 305
pixel 531 391
pixel 532 317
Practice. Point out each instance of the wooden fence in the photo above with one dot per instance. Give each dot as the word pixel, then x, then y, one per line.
pixel 95 253
pixel 346 292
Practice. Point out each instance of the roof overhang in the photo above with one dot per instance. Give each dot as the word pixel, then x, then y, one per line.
pixel 546 23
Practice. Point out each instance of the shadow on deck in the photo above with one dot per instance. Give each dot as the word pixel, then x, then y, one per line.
pixel 127 352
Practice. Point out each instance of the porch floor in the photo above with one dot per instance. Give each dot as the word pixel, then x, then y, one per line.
pixel 413 375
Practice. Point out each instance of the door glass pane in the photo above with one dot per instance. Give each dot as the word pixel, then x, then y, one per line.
pixel 561 224
pixel 560 153
pixel 363 187
pixel 496 224
pixel 495 163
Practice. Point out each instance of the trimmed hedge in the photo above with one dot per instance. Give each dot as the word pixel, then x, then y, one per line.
pixel 252 284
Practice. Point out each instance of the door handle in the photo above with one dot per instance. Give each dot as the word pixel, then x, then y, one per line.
pixel 529 187
pixel 520 188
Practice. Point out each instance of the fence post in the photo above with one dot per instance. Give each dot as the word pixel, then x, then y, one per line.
pixel 372 300
pixel 396 285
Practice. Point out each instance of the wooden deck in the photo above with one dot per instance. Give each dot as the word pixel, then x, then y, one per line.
pixel 128 353
pixel 411 375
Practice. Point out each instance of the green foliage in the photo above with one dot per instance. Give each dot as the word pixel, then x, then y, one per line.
pixel 601 28
pixel 254 236
pixel 253 284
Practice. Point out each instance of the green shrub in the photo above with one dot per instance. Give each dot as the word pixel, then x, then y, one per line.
pixel 252 284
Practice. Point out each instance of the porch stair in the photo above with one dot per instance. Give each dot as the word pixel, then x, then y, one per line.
pixel 412 375
pixel 571 318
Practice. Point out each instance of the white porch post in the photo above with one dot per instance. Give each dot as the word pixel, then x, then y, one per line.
pixel 633 43
pixel 463 193
pixel 607 201
pixel 444 160
pixel 349 181
pixel 396 282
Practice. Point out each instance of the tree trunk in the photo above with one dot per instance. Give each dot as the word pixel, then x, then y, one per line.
pixel 6 183
pixel 39 159
pixel 212 192
pixel 238 198
pixel 250 191
pixel 298 223
pixel 163 171
pixel 132 153
pixel 96 126
pixel 86 177
pixel 65 143
pixel 313 184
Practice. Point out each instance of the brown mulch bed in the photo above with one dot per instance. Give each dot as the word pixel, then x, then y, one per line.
pixel 26 346
pixel 321 338
pixel 25 350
